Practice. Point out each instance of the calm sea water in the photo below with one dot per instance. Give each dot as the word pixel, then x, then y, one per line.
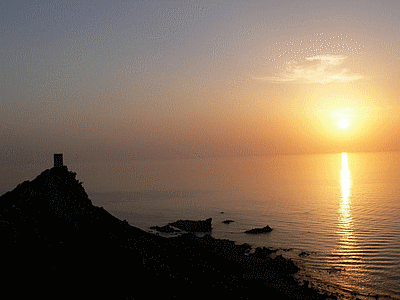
pixel 342 209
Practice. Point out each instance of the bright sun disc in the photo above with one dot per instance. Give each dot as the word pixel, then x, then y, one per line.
pixel 343 123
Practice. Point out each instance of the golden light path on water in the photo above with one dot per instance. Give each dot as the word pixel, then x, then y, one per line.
pixel 345 221
pixel 345 250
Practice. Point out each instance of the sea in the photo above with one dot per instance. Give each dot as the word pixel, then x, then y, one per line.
pixel 336 215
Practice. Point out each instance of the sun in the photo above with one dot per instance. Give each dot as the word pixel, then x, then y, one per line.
pixel 343 123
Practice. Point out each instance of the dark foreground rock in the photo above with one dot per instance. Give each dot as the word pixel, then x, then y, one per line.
pixel 265 229
pixel 193 226
pixel 56 245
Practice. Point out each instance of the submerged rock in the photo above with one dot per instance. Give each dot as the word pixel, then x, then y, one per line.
pixel 263 252
pixel 304 254
pixel 227 221
pixel 193 226
pixel 165 229
pixel 285 265
pixel 259 230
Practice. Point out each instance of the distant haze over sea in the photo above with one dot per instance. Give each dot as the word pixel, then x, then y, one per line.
pixel 341 209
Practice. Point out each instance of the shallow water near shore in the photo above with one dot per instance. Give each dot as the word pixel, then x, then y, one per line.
pixel 340 211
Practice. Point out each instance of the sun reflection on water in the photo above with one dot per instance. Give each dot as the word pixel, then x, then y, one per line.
pixel 345 221
pixel 340 265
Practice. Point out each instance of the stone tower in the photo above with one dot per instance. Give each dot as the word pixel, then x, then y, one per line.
pixel 58 160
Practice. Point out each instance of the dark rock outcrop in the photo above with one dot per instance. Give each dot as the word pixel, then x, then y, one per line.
pixel 259 230
pixel 193 226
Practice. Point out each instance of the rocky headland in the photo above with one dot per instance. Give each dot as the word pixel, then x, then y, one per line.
pixel 55 244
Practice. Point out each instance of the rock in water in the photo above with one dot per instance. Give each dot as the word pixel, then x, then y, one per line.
pixel 259 230
pixel 193 226
pixel 164 229
pixel 227 221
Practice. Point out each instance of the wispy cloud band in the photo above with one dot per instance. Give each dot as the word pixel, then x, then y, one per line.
pixel 320 69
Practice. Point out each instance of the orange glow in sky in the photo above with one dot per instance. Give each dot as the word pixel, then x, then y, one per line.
pixel 183 79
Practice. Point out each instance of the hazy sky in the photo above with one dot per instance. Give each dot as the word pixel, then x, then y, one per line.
pixel 137 80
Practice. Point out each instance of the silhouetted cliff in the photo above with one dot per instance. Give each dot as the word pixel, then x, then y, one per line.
pixel 55 240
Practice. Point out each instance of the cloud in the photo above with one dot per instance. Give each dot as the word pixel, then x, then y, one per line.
pixel 316 69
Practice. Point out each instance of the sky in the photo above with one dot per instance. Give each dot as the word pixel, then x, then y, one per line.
pixel 105 81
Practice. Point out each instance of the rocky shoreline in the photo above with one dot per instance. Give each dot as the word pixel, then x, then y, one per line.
pixel 58 245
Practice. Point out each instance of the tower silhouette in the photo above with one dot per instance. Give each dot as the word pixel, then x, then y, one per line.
pixel 58 160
